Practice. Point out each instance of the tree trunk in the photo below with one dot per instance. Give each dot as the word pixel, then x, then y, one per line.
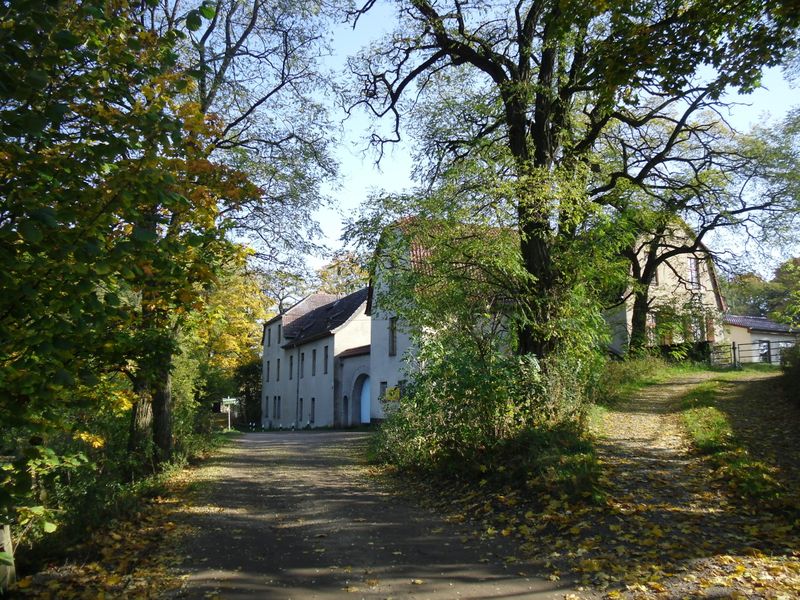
pixel 8 573
pixel 162 413
pixel 141 419
pixel 638 339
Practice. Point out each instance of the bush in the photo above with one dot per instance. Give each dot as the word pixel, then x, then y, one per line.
pixel 790 364
pixel 621 377
pixel 497 417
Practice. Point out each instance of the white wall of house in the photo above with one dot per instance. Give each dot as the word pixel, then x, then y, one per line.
pixel 386 367
pixel 276 386
pixel 313 394
pixel 353 374
pixel 301 391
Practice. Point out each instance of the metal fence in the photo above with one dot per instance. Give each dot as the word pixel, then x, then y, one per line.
pixel 764 351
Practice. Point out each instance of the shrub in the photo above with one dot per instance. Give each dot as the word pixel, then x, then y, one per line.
pixel 495 417
pixel 621 377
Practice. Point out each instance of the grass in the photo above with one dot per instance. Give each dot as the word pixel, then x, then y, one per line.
pixel 622 379
pixel 710 432
pixel 702 412
pixel 707 426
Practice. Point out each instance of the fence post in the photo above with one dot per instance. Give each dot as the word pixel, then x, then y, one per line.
pixel 8 574
pixel 733 354
pixel 769 352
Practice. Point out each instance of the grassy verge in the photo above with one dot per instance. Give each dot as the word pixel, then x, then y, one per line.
pixel 621 380
pixel 710 432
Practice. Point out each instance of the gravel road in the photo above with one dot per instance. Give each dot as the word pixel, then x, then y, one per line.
pixel 297 515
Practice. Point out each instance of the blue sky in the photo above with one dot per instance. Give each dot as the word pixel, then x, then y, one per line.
pixel 359 176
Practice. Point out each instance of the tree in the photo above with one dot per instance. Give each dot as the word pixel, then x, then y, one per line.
pixel 255 64
pixel 107 220
pixel 784 292
pixel 747 294
pixel 343 275
pixel 533 87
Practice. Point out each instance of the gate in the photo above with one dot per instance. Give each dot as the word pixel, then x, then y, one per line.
pixel 733 355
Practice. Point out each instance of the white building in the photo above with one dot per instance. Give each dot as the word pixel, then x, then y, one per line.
pixel 313 362
pixel 389 345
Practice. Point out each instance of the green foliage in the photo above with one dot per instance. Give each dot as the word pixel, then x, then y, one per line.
pixel 778 298
pixel 462 412
pixel 110 235
pixel 621 378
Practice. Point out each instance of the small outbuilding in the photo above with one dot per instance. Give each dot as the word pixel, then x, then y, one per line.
pixel 757 339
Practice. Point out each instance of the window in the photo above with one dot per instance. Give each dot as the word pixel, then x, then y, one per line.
pixel 313 410
pixel 694 272
pixel 266 373
pixel 302 364
pixel 382 392
pixel 275 406
pixel 393 336
pixel 277 369
pixel 266 408
pixel 291 366
pixel 278 337
pixel 313 362
pixel 401 386
pixel 269 336
pixel 300 411
pixel 325 360
pixel 279 407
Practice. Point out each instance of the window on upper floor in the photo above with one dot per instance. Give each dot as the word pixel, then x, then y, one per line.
pixel 266 372
pixel 325 360
pixel 291 366
pixel 277 369
pixel 694 272
pixel 269 336
pixel 393 336
pixel 278 337
pixel 313 362
pixel 302 364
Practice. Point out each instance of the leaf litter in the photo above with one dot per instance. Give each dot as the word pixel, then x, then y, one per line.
pixel 669 525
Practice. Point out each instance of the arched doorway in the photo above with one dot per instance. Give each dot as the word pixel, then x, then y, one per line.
pixel 361 404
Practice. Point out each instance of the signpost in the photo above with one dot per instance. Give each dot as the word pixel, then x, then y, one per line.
pixel 227 403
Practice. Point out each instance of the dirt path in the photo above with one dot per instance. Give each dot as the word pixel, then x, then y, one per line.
pixel 672 527
pixel 644 446
pixel 294 515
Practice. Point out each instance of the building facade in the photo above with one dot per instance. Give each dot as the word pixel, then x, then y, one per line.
pixel 302 362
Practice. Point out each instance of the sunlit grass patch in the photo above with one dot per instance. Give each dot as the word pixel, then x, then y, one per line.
pixel 710 432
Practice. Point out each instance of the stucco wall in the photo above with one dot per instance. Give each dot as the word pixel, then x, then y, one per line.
pixel 350 373
pixel 383 367
pixel 309 382
pixel 675 287
pixel 277 387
